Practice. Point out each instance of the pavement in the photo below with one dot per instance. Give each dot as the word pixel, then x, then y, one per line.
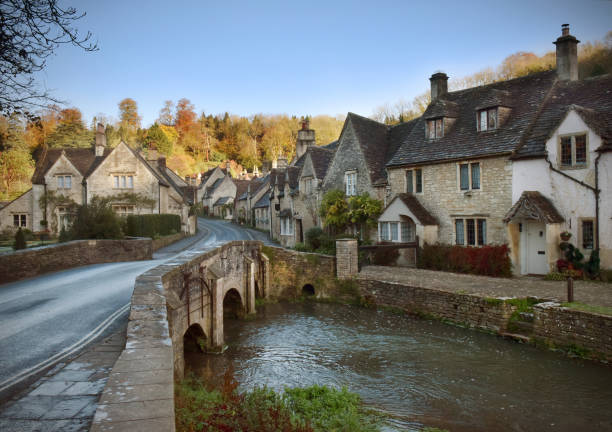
pixel 66 398
pixel 587 292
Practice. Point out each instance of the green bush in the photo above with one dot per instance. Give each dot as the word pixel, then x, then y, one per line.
pixel 96 220
pixel 314 237
pixel 64 236
pixel 493 260
pixel 150 225
pixel 20 241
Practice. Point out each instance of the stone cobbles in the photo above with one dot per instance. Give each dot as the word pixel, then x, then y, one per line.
pixel 67 397
pixel 591 293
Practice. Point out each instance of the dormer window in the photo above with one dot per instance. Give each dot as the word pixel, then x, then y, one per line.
pixel 435 128
pixel 487 119
pixel 573 151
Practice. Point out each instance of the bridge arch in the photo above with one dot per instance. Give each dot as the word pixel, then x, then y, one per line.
pixel 233 305
pixel 194 339
pixel 308 290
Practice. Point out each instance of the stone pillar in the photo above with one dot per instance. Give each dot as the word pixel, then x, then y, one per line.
pixel 347 254
pixel 249 267
pixel 217 316
pixel 265 283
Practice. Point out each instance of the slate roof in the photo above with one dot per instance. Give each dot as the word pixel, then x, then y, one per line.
pixel 83 159
pixel 417 209
pixel 222 201
pixel 462 140
pixel 293 173
pixel 285 213
pixel 277 178
pixel 372 138
pixel 264 201
pixel 321 158
pixel 534 205
pixel 241 188
pixel 591 98
pixel 331 146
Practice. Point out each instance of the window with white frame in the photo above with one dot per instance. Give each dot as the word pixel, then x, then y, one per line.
pixel 435 128
pixel 469 176
pixel 398 232
pixel 20 220
pixel 414 180
pixel 471 232
pixel 123 210
pixel 350 182
pixel 64 218
pixel 487 119
pixel 573 151
pixel 588 230
pixel 286 226
pixel 123 182
pixel 64 182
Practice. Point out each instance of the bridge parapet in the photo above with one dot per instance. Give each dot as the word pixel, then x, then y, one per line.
pixel 179 301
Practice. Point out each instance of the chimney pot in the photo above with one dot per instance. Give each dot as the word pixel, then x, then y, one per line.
pixel 564 29
pixel 439 85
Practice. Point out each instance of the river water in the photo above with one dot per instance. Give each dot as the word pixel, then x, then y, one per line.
pixel 419 372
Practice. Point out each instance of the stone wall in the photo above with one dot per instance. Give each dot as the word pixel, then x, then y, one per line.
pixel 467 309
pixel 33 262
pixel 567 328
pixel 290 271
pixel 443 198
pixel 167 240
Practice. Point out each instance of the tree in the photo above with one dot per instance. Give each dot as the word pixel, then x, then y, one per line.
pixel 30 32
pixel 70 130
pixel 129 120
pixel 16 168
pixel 96 220
pixel 157 139
pixel 166 117
pixel 20 241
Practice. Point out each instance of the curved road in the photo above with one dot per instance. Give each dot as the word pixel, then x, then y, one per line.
pixel 50 318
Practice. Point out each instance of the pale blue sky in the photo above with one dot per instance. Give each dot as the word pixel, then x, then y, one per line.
pixel 302 58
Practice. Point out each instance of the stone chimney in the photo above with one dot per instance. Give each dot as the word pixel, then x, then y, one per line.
pixel 255 171
pixel 439 85
pixel 282 162
pixel 161 162
pixel 305 139
pixel 228 165
pixel 100 144
pixel 567 55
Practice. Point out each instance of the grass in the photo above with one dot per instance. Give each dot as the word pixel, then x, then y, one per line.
pixel 314 408
pixel 603 310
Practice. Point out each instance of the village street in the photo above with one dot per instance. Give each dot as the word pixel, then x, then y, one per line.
pixel 51 318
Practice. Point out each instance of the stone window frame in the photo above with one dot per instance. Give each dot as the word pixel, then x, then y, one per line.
pixel 487 115
pixel 470 176
pixel 412 172
pixel 308 183
pixel 62 180
pixel 20 220
pixel 123 180
pixel 286 226
pixel 432 126
pixel 581 222
pixel 573 165
pixel 124 209
pixel 479 225
pixel 350 188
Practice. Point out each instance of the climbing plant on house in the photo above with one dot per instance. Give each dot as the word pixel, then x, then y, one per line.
pixel 339 213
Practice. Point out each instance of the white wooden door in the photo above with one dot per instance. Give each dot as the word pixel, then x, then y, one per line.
pixel 535 236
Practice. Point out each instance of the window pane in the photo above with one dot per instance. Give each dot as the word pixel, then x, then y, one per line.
pixel 566 151
pixel 60 182
pixel 439 131
pixel 409 185
pixel 116 181
pixel 587 234
pixel 482 231
pixel 407 232
pixel 394 232
pixel 492 118
pixel 483 120
pixel 464 180
pixel 68 182
pixel 431 126
pixel 123 182
pixel 385 231
pixel 130 182
pixel 580 149
pixel 459 232
pixel 16 220
pixel 419 180
pixel 471 233
pixel 475 176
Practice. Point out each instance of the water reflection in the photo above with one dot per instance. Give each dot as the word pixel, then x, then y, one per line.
pixel 417 371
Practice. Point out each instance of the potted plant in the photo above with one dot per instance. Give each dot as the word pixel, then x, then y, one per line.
pixel 566 235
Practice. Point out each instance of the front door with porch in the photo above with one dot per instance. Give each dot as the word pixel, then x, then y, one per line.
pixel 533 247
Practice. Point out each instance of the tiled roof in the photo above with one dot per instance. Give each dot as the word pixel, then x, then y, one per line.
pixel 331 146
pixel 83 159
pixel 417 209
pixel 534 205
pixel 264 201
pixel 241 188
pixel 462 140
pixel 591 98
pixel 277 178
pixel 372 137
pixel 321 159
pixel 293 173
pixel 221 201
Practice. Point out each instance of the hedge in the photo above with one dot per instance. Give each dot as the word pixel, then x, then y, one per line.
pixel 151 225
pixel 491 260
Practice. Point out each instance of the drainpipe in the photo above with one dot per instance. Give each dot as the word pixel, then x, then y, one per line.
pixel 594 189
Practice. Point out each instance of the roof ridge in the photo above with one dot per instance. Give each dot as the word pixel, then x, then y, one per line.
pixel 524 77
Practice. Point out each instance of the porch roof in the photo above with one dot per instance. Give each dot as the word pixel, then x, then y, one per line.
pixel 533 205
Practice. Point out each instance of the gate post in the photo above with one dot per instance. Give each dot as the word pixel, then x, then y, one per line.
pixel 347 258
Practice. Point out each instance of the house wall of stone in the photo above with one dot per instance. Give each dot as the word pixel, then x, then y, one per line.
pixel 21 205
pixel 573 201
pixel 443 198
pixel 227 188
pixel 76 192
pixel 306 205
pixel 216 174
pixel 349 157
pixel 122 161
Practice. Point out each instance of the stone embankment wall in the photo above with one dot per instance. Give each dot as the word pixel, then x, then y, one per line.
pixel 470 310
pixel 290 271
pixel 573 329
pixel 167 240
pixel 33 262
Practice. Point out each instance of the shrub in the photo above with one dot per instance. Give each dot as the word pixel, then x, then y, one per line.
pixel 150 225
pixel 96 220
pixel 64 236
pixel 314 237
pixel 493 260
pixel 591 267
pixel 301 247
pixel 20 241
